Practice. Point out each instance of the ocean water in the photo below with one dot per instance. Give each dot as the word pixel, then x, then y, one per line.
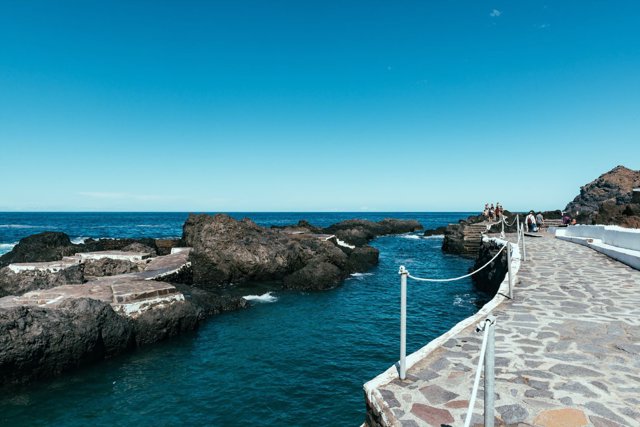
pixel 292 359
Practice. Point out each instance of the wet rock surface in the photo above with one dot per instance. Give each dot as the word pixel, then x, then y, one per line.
pixel 489 278
pixel 42 342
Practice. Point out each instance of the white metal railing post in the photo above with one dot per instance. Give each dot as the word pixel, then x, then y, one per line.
pixel 489 373
pixel 502 228
pixel 484 326
pixel 524 248
pixel 518 228
pixel 509 270
pixel 403 322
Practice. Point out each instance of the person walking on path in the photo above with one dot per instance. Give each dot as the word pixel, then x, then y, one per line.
pixel 540 220
pixel 531 222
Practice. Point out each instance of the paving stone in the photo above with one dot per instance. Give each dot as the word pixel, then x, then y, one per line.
pixel 602 422
pixel 437 395
pixel 457 404
pixel 390 398
pixel 568 417
pixel 603 411
pixel 433 416
pixel 573 371
pixel 512 413
pixel 576 387
pixel 572 334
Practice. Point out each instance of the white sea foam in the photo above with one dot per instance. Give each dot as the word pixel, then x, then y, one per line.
pixel 435 236
pixel 457 301
pixel 78 240
pixel 345 244
pixel 361 274
pixel 150 225
pixel 261 298
pixel 17 226
pixel 410 236
pixel 6 247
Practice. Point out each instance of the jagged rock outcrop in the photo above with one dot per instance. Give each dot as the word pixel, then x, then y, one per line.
pixel 110 267
pixel 47 246
pixel 359 231
pixel 226 251
pixel 18 283
pixel 489 278
pixel 613 188
pixel 211 303
pixel 53 246
pixel 38 342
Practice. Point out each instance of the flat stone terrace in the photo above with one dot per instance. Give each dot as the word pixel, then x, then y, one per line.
pixel 567 350
pixel 130 293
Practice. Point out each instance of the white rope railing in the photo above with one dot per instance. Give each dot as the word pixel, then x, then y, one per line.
pixel 421 279
pixel 488 327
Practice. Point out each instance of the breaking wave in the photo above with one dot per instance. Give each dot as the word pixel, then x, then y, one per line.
pixel 361 274
pixel 78 240
pixel 19 226
pixel 261 298
pixel 410 236
pixel 6 247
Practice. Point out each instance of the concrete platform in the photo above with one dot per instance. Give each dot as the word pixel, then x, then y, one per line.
pixel 120 255
pixel 129 294
pixel 567 351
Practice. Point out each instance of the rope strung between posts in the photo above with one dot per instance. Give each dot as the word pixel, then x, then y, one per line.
pixel 512 222
pixel 420 279
pixel 476 382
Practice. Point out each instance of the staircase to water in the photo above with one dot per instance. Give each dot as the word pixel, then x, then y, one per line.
pixel 473 237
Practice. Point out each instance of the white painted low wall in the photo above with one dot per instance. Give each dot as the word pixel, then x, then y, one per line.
pixel 625 238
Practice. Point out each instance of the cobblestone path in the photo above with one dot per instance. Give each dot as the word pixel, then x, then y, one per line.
pixel 567 350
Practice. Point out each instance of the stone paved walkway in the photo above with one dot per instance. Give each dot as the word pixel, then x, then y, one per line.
pixel 567 350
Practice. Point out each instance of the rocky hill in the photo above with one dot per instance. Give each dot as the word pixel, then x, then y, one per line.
pixel 615 186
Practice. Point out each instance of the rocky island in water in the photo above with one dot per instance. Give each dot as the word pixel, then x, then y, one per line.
pixel 66 305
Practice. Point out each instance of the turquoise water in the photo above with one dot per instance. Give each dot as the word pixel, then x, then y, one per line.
pixel 300 359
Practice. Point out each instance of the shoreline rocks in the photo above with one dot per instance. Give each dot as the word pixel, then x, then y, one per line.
pixel 489 279
pixel 53 321
pixel 228 251
pixel 42 342
pixel 54 245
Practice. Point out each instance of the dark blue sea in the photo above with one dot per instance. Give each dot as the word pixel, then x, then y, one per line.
pixel 292 359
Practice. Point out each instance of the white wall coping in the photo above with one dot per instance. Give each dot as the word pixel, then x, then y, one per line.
pixel 612 235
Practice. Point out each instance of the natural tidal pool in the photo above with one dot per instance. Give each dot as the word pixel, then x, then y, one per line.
pixel 293 358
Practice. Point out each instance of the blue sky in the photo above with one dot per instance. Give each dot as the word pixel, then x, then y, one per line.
pixel 314 106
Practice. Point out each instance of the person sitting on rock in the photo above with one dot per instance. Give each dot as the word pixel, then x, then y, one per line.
pixel 492 212
pixel 531 222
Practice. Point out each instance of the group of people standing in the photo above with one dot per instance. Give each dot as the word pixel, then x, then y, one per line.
pixel 493 213
pixel 534 221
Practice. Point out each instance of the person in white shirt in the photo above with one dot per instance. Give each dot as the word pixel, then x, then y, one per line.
pixel 531 222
